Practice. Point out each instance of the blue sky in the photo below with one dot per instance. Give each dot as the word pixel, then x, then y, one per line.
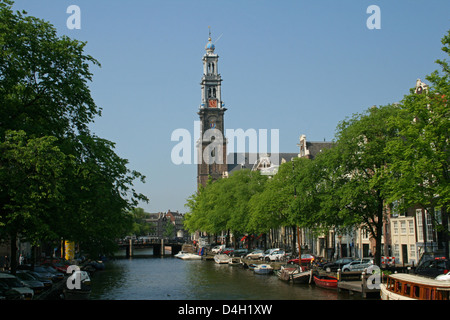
pixel 297 66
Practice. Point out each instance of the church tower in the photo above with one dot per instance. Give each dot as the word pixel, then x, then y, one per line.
pixel 211 147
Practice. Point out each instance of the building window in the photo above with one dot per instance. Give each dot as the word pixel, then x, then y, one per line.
pixel 395 227
pixel 395 210
pixel 419 225
pixel 438 215
pixel 365 234
pixel 403 227
pixel 412 250
pixel 411 226
pixel 429 227
pixel 396 251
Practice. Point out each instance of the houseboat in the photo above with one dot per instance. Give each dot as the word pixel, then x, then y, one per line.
pixel 402 286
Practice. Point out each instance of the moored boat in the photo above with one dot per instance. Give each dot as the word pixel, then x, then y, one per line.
pixel 252 266
pixel 401 286
pixel 285 272
pixel 234 262
pixel 190 256
pixel 263 269
pixel 326 281
pixel 221 258
pixel 180 254
pixel 77 287
pixel 301 277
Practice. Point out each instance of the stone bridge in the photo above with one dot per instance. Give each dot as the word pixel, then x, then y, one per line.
pixel 158 246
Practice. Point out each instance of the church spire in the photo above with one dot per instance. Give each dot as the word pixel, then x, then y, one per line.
pixel 211 149
pixel 210 46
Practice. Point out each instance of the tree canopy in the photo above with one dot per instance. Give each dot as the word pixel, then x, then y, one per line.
pixel 57 178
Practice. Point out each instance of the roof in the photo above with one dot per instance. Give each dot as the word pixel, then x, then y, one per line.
pixel 316 147
pixel 421 280
pixel 238 161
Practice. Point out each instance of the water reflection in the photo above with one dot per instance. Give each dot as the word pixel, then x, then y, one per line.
pixel 168 278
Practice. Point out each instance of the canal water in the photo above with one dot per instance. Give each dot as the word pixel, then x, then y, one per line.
pixel 169 278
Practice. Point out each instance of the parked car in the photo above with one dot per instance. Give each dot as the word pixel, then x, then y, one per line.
pixel 434 267
pixel 56 264
pixel 255 254
pixel 267 252
pixel 46 281
pixel 31 282
pixel 13 283
pixel 239 252
pixel 217 249
pixel 49 273
pixel 9 294
pixel 338 264
pixel 276 255
pixel 358 265
pixel 306 258
pixel 227 250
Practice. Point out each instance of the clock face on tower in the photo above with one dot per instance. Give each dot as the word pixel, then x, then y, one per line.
pixel 212 103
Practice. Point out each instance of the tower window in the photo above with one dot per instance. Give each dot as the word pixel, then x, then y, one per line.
pixel 211 68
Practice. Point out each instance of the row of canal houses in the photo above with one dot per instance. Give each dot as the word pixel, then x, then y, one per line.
pixel 406 235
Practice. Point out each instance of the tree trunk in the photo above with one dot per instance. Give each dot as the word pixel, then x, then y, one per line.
pixel 445 233
pixel 294 239
pixel 13 260
pixel 379 233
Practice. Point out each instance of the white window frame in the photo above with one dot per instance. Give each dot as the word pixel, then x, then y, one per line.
pixel 411 226
pixel 403 227
pixel 429 221
pixel 412 250
pixel 419 225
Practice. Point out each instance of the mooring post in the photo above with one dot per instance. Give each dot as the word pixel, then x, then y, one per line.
pixel 162 247
pixel 364 283
pixel 130 248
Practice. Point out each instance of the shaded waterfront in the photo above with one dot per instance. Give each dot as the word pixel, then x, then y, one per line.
pixel 168 278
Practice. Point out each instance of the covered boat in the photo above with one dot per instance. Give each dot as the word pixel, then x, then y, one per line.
pixel 263 269
pixel 401 286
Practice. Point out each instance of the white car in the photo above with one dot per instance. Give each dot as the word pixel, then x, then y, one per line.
pixel 13 283
pixel 218 249
pixel 267 252
pixel 358 265
pixel 276 255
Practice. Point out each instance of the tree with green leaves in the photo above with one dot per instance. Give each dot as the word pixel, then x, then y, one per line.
pixel 270 208
pixel 419 170
pixel 46 104
pixel 31 173
pixel 356 171
pixel 140 226
pixel 224 205
pixel 196 218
